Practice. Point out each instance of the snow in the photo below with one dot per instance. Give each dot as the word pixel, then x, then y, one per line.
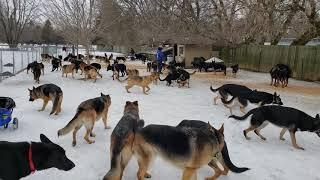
pixel 270 160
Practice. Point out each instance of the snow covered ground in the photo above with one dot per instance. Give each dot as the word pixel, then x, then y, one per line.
pixel 270 160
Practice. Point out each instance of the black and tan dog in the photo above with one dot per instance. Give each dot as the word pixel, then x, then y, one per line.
pixel 48 92
pixel 187 148
pixel 88 112
pixel 285 117
pixel 184 77
pixel 122 139
pixel 33 64
pixel 226 163
pixel 226 90
pixel 259 98
pixel 20 159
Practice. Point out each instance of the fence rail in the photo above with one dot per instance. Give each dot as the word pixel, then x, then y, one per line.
pixel 303 60
pixel 13 61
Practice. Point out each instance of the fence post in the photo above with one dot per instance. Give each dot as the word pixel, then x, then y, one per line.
pixel 0 65
pixel 28 56
pixel 14 63
pixel 22 60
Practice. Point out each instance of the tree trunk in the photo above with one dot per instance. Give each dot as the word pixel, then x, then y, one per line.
pixel 88 52
pixel 304 38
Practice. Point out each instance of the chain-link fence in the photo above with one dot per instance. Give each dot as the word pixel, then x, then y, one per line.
pixel 15 60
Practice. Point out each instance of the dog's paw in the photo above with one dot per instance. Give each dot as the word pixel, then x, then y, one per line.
pixel 147 175
pixel 74 143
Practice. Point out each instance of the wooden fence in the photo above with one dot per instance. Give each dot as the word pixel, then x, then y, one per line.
pixel 303 60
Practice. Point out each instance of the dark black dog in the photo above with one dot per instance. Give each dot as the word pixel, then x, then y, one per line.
pixel 234 90
pixel 69 57
pixel 36 73
pixel 235 69
pixel 149 66
pixel 280 73
pixel 121 58
pixel 119 68
pixel 96 65
pixel 198 63
pixel 218 67
pixel 225 153
pixel 173 75
pixel 285 117
pixel 257 97
pixel 20 159
pixel 33 64
pixel 77 63
pixel 56 63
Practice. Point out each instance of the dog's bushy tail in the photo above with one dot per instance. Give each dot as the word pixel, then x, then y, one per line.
pixel 252 111
pixel 71 125
pixel 214 90
pixel 228 162
pixel 56 102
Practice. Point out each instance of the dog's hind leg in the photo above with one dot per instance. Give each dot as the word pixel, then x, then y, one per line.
pixel 89 126
pixel 128 87
pixel 294 140
pixel 148 88
pixel 74 135
pixel 283 131
pixel 257 131
pixel 188 173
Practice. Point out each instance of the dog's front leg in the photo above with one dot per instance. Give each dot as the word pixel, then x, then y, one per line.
pixel 294 140
pixel 45 102
pixel 189 173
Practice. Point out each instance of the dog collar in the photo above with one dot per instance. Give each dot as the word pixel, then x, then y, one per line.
pixel 30 159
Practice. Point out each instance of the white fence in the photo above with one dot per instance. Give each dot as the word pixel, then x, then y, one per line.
pixel 13 61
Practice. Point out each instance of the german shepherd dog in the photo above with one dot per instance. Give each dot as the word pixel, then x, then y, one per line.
pixel 56 63
pixel 48 92
pixel 256 97
pixel 91 72
pixel 173 75
pixel 142 81
pixel 33 64
pixel 132 72
pixel 184 77
pixel 187 148
pixel 219 67
pixel 280 73
pixel 96 65
pixel 235 69
pixel 36 70
pixel 88 112
pixel 82 65
pixel 227 163
pixel 117 67
pixel 66 69
pixel 77 64
pixel 285 117
pixel 20 159
pixel 122 139
pixel 229 89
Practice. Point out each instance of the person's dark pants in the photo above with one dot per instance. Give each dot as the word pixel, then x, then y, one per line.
pixel 159 64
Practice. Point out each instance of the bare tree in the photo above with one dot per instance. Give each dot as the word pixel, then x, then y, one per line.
pixel 77 20
pixel 14 16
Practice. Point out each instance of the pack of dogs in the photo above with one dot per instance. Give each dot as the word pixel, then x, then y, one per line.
pixel 280 73
pixel 201 64
pixel 190 145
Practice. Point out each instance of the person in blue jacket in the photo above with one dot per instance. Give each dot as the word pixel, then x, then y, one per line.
pixel 160 58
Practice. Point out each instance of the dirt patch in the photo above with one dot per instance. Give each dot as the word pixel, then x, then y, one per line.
pixel 220 79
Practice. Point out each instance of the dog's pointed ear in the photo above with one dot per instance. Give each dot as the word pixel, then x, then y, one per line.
pixel 135 103
pixel 275 94
pixel 221 130
pixel 29 89
pixel 317 116
pixel 33 88
pixel 44 139
pixel 210 127
pixel 102 94
pixel 128 102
